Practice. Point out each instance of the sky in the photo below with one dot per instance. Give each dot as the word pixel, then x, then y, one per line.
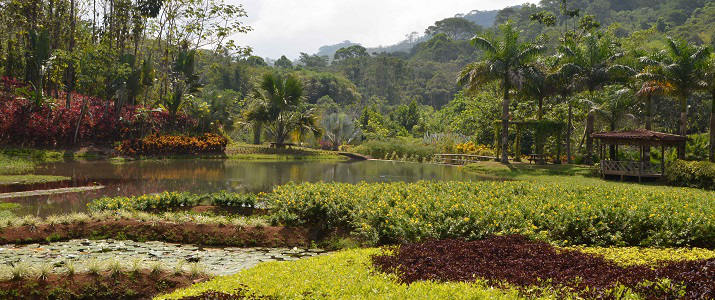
pixel 288 27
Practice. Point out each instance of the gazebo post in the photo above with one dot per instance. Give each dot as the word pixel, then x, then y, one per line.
pixel 662 160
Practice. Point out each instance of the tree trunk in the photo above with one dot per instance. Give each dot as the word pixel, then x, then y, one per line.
pixel 612 148
pixel 568 134
pixel 683 124
pixel 505 124
pixel 82 112
pixel 257 128
pixel 712 128
pixel 70 72
pixel 540 113
pixel 589 140
pixel 648 124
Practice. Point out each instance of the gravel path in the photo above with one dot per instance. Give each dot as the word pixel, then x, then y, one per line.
pixel 81 253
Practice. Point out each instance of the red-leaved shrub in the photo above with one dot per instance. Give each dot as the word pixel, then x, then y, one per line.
pixel 22 123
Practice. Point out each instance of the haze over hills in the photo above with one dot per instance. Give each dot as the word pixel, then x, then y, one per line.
pixel 482 18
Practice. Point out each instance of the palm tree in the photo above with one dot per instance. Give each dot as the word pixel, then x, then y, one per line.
pixel 683 70
pixel 505 60
pixel 590 66
pixel 617 101
pixel 279 107
pixel 539 85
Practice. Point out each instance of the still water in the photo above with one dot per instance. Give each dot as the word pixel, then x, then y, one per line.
pixel 201 176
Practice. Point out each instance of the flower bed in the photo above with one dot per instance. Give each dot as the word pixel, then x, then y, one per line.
pixel 524 263
pixel 208 143
pixel 604 214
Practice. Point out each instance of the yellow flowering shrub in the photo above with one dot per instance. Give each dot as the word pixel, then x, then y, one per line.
pixel 472 149
pixel 565 214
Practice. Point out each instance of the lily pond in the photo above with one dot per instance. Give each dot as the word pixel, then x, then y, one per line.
pixel 203 176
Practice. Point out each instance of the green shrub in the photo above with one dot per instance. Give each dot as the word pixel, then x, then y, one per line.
pixel 226 199
pixel 566 214
pixel 172 200
pixel 698 174
pixel 397 149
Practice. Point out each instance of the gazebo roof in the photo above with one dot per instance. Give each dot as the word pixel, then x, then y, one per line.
pixel 640 137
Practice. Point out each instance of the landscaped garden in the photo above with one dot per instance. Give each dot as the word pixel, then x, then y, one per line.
pixel 559 150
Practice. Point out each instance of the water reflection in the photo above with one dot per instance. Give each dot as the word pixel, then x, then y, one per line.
pixel 200 176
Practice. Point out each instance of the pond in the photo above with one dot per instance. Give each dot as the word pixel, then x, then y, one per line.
pixel 202 176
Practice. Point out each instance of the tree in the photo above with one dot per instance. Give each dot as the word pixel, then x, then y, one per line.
pixel 504 61
pixel 616 102
pixel 590 65
pixel 710 87
pixel 683 69
pixel 455 28
pixel 407 116
pixel 280 107
pixel 313 61
pixel 355 51
pixel 284 63
pixel 184 80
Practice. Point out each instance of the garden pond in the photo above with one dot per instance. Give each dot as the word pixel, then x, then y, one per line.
pixel 205 175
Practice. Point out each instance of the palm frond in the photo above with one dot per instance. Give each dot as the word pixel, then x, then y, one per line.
pixel 529 53
pixel 484 44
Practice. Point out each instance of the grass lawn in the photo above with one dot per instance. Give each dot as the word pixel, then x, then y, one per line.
pixel 30 179
pixel 517 170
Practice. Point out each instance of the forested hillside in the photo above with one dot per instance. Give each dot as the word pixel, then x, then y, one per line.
pixel 151 53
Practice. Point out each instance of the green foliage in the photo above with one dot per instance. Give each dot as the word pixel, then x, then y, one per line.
pixel 629 256
pixel 343 275
pixel 408 149
pixel 455 28
pixel 172 200
pixel 568 214
pixel 283 63
pixel 698 174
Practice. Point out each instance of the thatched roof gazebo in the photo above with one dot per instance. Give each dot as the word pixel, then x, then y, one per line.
pixel 642 138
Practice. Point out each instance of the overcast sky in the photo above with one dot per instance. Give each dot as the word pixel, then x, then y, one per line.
pixel 293 26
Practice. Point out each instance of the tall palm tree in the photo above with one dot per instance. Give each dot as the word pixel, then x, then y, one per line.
pixel 539 85
pixel 589 66
pixel 504 60
pixel 683 69
pixel 280 108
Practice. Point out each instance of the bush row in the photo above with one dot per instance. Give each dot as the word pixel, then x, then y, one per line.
pixel 697 174
pixel 172 200
pixel 24 124
pixel 208 143
pixel 397 149
pixel 605 214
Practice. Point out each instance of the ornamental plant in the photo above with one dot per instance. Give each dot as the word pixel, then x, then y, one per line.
pixel 600 215
pixel 208 143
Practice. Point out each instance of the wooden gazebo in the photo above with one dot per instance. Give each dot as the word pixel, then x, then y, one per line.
pixel 642 138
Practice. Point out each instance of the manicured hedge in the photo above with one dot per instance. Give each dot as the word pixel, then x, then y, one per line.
pixel 397 149
pixel 602 214
pixel 208 143
pixel 697 174
pixel 172 200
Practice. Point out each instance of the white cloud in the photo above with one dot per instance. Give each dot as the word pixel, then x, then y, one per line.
pixel 293 26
